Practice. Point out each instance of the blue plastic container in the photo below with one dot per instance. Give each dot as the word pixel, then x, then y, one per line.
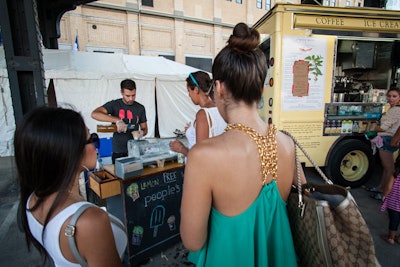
pixel 105 149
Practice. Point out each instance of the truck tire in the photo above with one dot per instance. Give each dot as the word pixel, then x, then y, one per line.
pixel 351 163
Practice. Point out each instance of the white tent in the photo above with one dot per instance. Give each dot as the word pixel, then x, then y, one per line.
pixel 85 80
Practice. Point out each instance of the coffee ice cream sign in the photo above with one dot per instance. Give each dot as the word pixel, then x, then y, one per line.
pixel 346 23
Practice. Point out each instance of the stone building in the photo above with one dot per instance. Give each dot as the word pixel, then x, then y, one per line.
pixel 189 32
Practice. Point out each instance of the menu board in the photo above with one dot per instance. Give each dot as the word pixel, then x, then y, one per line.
pixel 304 61
pixel 152 206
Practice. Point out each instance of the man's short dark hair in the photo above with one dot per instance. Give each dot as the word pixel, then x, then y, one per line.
pixel 128 84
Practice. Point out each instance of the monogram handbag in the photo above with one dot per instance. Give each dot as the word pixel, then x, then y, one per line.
pixel 327 226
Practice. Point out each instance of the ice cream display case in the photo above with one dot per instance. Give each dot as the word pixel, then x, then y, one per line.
pixel 151 150
pixel 148 204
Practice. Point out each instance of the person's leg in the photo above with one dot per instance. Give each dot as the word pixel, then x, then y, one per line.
pixel 387 162
pixel 394 220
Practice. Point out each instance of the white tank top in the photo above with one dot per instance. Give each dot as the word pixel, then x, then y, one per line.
pixel 217 122
pixel 52 233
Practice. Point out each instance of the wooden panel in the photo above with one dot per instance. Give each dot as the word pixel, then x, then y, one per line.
pixel 104 184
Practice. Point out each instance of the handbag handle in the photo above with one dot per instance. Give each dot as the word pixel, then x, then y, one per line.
pixel 297 144
pixel 299 187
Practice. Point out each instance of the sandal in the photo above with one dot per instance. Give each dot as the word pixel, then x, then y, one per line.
pixel 387 239
pixel 371 189
pixel 377 196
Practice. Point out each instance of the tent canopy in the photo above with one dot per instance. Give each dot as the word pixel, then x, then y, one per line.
pixel 85 80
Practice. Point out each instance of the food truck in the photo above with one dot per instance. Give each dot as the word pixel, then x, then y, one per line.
pixel 328 72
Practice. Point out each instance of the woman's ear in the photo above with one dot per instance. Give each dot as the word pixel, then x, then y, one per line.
pixel 219 89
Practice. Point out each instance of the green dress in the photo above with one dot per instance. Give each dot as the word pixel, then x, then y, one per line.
pixel 260 236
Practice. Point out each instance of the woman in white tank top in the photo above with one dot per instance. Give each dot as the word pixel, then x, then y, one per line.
pixel 208 121
pixel 52 148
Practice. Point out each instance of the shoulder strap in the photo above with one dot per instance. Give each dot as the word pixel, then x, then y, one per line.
pixel 210 133
pixel 70 233
pixel 267 148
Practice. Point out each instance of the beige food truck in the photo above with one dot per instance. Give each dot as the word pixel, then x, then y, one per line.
pixel 328 72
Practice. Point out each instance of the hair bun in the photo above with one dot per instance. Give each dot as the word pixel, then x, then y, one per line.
pixel 243 38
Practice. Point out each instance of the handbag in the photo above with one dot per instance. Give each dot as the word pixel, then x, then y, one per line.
pixel 327 226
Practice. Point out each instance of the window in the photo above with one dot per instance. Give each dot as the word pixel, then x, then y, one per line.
pixel 170 57
pixel 147 3
pixel 267 4
pixel 259 4
pixel 329 2
pixel 199 63
pixel 239 1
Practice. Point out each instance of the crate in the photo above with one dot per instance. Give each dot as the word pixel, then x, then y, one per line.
pixel 104 184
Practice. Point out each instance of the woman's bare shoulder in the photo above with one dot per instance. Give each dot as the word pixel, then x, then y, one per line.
pixel 285 141
pixel 93 220
pixel 208 149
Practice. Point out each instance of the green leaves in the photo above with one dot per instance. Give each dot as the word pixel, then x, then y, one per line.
pixel 315 64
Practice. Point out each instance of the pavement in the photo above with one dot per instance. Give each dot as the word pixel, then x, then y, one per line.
pixel 15 253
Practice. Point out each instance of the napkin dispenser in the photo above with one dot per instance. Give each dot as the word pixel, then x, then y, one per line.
pixel 127 167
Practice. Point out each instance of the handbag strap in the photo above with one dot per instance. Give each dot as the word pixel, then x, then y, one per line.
pixel 70 233
pixel 70 230
pixel 301 204
pixel 297 144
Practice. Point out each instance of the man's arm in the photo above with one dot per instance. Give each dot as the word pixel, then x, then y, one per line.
pixel 396 138
pixel 143 127
pixel 101 114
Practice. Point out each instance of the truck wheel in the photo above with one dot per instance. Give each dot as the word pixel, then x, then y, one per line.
pixel 351 163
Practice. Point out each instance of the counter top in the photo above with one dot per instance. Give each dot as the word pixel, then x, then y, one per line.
pixel 148 170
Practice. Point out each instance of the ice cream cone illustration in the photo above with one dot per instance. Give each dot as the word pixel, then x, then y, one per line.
pixel 171 222
pixel 157 218
pixel 133 191
pixel 137 235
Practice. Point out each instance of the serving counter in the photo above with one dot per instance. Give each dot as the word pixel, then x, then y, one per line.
pixel 148 204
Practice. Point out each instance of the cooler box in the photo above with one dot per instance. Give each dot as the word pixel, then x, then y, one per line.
pixel 105 149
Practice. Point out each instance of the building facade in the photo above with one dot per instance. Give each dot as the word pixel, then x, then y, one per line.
pixel 189 32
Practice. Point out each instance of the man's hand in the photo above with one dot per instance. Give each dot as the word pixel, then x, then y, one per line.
pixel 121 126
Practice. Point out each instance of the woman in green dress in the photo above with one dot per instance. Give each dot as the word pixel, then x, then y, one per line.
pixel 236 184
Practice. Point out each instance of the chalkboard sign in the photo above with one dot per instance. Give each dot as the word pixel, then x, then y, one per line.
pixel 152 206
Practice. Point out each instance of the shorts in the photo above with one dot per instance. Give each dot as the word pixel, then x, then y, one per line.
pixel 386 144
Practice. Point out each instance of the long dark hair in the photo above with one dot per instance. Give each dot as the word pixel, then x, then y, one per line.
pixel 241 65
pixel 49 145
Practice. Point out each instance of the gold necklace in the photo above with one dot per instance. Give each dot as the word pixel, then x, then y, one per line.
pixel 267 148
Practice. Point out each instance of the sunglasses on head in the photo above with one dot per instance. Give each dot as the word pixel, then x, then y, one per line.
pixel 94 138
pixel 211 89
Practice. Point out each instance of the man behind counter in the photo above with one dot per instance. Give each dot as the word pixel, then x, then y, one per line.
pixel 127 114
